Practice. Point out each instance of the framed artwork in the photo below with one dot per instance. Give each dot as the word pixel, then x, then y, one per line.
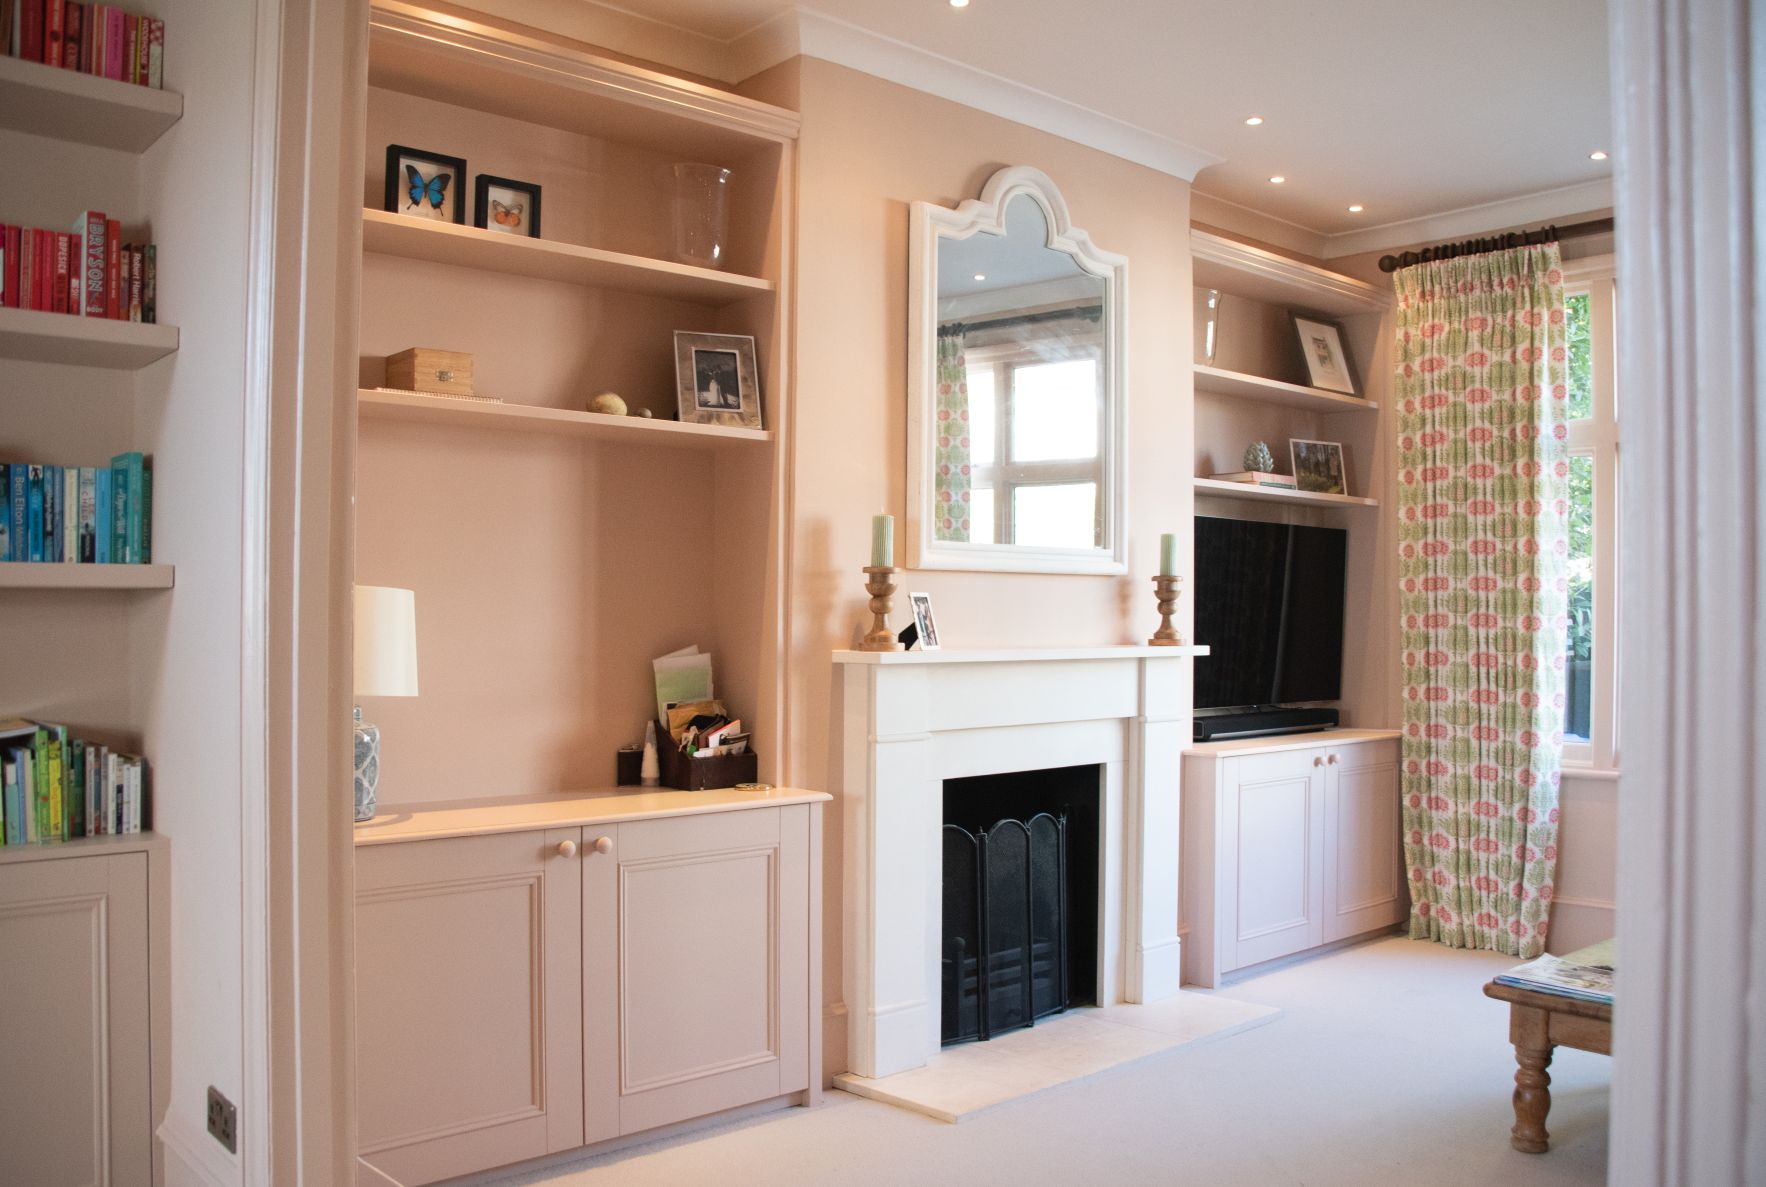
pixel 506 207
pixel 1327 362
pixel 715 379
pixel 425 185
pixel 1318 466
pixel 923 623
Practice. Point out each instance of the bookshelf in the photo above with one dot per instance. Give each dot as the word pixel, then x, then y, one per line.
pixel 19 575
pixel 526 418
pixel 31 335
pixel 1241 386
pixel 78 108
pixel 1272 494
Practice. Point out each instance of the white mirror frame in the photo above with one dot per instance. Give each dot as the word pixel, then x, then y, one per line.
pixel 986 215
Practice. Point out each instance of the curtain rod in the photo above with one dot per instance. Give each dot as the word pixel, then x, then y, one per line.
pixel 1467 247
pixel 1078 312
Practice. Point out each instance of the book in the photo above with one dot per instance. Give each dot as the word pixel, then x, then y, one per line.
pixel 27 269
pixel 1585 974
pixel 18 477
pixel 86 539
pixel 113 42
pixel 156 58
pixel 101 528
pixel 133 506
pixel 73 27
pixel 12 774
pixel 30 31
pixel 53 14
pixel 90 230
pixel 125 258
pixel 119 511
pixel 136 267
pixel 150 286
pixel 1259 478
pixel 8 13
pixel 70 514
pixel 34 514
pixel 131 25
pixel 5 512
pixel 113 246
pixel 51 514
pixel 9 276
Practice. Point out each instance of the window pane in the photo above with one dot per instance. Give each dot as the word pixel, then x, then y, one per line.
pixel 1580 371
pixel 1579 683
pixel 1055 411
pixel 981 515
pixel 983 414
pixel 1056 516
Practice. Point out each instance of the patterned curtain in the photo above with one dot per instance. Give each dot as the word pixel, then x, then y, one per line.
pixel 1483 547
pixel 951 454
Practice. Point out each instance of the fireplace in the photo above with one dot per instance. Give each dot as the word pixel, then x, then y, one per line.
pixel 1020 898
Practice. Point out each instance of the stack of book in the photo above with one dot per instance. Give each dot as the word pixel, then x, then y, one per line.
pixel 54 787
pixel 98 39
pixel 1259 478
pixel 88 272
pixel 78 514
pixel 1585 974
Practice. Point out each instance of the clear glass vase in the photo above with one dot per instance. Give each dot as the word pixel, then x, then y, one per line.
pixel 702 214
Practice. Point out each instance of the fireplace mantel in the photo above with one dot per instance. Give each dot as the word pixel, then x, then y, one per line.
pixel 909 721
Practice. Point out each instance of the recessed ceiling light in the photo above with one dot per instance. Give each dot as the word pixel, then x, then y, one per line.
pixel 980 275
pixel 1597 155
pixel 1277 180
pixel 1355 209
pixel 1254 120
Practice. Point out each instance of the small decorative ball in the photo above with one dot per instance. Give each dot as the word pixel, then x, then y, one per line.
pixel 1258 458
pixel 608 404
pixel 645 414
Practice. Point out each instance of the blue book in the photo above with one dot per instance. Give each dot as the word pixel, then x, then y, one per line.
pixel 5 518
pixel 119 509
pixel 87 524
pixel 52 513
pixel 101 542
pixel 17 501
pixel 34 515
pixel 134 540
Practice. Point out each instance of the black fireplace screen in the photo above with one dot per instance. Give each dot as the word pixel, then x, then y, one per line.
pixel 1005 926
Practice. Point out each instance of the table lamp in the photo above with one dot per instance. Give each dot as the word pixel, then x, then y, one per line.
pixel 386 666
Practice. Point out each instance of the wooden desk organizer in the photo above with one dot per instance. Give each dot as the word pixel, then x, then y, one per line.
pixel 686 773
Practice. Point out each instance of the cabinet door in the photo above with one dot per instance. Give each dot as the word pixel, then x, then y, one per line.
pixel 468 1002
pixel 1363 874
pixel 709 917
pixel 74 1107
pixel 1272 905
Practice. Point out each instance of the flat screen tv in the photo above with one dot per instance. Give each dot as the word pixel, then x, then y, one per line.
pixel 1269 604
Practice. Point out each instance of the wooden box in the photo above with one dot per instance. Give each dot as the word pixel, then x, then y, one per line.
pixel 683 772
pixel 423 369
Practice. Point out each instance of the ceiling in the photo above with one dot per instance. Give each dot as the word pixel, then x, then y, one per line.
pixel 1412 109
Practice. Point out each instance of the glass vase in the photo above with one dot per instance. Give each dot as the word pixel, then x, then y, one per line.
pixel 702 214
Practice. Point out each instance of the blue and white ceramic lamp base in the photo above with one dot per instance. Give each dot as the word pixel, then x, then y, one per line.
pixel 367 768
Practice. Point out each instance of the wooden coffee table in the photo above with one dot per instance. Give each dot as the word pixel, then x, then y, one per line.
pixel 1537 1023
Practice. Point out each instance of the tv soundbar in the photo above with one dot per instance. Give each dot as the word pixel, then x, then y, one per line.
pixel 1255 723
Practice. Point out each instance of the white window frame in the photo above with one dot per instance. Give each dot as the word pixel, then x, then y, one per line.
pixel 1598 437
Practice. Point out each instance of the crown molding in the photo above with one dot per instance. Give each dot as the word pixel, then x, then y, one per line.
pixel 1481 219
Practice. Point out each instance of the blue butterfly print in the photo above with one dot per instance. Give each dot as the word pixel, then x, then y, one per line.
pixel 433 189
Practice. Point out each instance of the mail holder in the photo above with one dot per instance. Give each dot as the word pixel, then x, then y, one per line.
pixel 683 772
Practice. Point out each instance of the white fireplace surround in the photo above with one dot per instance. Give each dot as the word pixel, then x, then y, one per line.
pixel 911 720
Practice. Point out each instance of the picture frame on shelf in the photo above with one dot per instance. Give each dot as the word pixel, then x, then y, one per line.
pixel 1327 360
pixel 925 627
pixel 506 206
pixel 716 379
pixel 426 185
pixel 1318 466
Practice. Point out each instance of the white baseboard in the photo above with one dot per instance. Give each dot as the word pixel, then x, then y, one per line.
pixel 193 1158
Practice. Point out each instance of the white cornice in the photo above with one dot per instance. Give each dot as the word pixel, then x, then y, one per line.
pixel 1481 219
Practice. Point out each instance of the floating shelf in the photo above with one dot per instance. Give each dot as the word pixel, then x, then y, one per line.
pixel 489 251
pixel 528 418
pixel 82 109
pixel 1246 271
pixel 1272 494
pixel 1275 391
pixel 38 337
pixel 15 575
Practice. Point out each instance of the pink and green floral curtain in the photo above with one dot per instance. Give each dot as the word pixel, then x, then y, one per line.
pixel 950 466
pixel 1483 547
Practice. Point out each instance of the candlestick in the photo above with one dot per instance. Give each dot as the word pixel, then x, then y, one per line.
pixel 882 541
pixel 880 587
pixel 1165 586
pixel 1168 555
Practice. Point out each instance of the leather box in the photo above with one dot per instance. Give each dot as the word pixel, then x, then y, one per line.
pixel 424 369
pixel 686 773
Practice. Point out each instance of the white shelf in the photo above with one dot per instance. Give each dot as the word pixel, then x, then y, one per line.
pixel 512 255
pixel 1018 655
pixel 1241 386
pixel 21 575
pixel 34 336
pixel 82 109
pixel 635 430
pixel 104 846
pixel 1246 271
pixel 1272 494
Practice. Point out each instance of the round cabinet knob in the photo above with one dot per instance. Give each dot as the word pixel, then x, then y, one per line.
pixel 567 849
pixel 603 845
pixel 1318 760
pixel 1332 759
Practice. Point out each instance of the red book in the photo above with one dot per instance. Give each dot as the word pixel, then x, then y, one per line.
pixel 30 31
pixel 73 26
pixel 135 276
pixel 88 39
pixel 9 276
pixel 27 269
pixel 45 273
pixel 54 12
pixel 130 24
pixel 113 244
pixel 64 271
pixel 113 43
pixel 89 249
pixel 125 257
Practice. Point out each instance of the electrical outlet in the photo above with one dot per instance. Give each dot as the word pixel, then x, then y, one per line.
pixel 223 1120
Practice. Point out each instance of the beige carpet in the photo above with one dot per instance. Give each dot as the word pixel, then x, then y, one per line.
pixel 1386 1066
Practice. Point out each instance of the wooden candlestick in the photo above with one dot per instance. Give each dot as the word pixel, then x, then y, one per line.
pixel 1166 592
pixel 880 587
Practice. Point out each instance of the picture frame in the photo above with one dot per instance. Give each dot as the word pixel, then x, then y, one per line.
pixel 716 380
pixel 506 206
pixel 924 624
pixel 1326 358
pixel 426 185
pixel 1318 466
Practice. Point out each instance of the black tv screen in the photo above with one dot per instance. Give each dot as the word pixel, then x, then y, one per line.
pixel 1269 604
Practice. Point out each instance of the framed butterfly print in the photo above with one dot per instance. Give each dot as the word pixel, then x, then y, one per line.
pixel 425 185
pixel 507 207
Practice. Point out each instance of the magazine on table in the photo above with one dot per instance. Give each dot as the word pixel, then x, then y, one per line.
pixel 1585 974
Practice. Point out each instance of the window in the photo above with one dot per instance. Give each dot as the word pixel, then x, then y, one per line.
pixel 1591 683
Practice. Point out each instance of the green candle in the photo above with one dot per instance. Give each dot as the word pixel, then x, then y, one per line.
pixel 882 541
pixel 1168 555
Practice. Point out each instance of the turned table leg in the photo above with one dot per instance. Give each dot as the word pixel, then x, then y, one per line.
pixel 1528 1028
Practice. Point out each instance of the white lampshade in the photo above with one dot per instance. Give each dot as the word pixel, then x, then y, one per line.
pixel 386 642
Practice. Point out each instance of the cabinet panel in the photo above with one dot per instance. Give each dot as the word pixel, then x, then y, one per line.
pixel 74 1107
pixel 1277 880
pixel 468 1023
pixel 1364 880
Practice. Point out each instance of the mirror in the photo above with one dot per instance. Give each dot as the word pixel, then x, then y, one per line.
pixel 1016 413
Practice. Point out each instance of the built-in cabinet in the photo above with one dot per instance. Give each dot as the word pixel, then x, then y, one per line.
pixel 527 992
pixel 1290 843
